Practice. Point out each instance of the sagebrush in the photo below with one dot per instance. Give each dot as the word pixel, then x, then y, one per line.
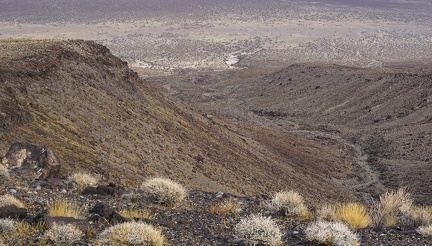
pixel 331 233
pixel 131 233
pixel 63 235
pixel 258 230
pixel 289 203
pixel 163 191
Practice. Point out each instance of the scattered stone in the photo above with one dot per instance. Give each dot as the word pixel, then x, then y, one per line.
pixel 12 211
pixel 102 190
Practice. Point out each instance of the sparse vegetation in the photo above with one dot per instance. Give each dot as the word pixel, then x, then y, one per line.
pixel 421 215
pixel 135 213
pixel 163 191
pixel 230 205
pixel 355 215
pixel 65 208
pixel 132 233
pixel 83 179
pixel 331 233
pixel 393 208
pixel 425 230
pixel 7 200
pixel 63 235
pixel 258 230
pixel 289 203
pixel 4 173
pixel 7 225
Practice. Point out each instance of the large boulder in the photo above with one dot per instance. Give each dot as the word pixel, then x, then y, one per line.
pixel 41 159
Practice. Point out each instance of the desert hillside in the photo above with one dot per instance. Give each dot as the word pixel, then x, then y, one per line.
pixel 385 113
pixel 99 116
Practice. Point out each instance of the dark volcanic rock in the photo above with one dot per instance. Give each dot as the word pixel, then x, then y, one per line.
pixel 41 159
pixel 12 211
pixel 103 190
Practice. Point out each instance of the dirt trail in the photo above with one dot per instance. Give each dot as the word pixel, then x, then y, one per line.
pixel 370 176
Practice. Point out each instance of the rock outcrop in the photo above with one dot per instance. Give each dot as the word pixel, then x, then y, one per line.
pixel 41 159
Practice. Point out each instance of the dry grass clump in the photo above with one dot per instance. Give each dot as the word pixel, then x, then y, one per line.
pixel 65 208
pixel 163 191
pixel 258 230
pixel 132 233
pixel 425 230
pixel 289 203
pixel 4 173
pixel 355 215
pixel 83 179
pixel 63 235
pixel 393 208
pixel 135 213
pixel 7 200
pixel 331 233
pixel 7 225
pixel 421 215
pixel 230 205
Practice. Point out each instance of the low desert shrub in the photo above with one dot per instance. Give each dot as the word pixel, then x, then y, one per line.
pixel 63 235
pixel 4 173
pixel 131 233
pixel 7 200
pixel 65 208
pixel 425 230
pixel 230 205
pixel 289 203
pixel 7 225
pixel 83 179
pixel 393 208
pixel 326 212
pixel 163 191
pixel 355 215
pixel 135 213
pixel 421 216
pixel 331 233
pixel 258 230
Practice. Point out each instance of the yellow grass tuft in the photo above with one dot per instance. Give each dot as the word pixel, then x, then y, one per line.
pixel 392 208
pixel 7 200
pixel 83 179
pixel 230 205
pixel 355 215
pixel 65 208
pixel 422 215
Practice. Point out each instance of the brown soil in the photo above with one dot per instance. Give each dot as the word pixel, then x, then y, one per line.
pixel 385 113
pixel 98 115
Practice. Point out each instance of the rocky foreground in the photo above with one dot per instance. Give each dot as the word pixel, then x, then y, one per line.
pixel 203 218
